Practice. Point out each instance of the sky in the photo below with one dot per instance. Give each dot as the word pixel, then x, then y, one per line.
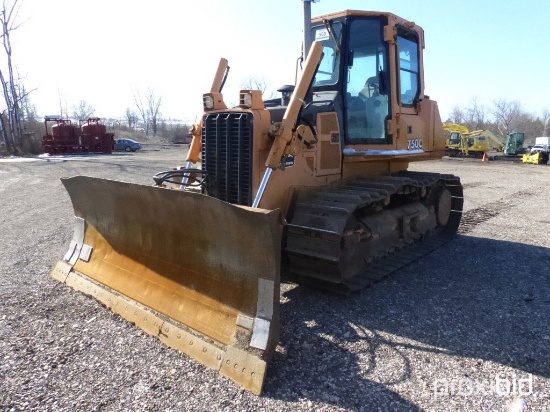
pixel 103 51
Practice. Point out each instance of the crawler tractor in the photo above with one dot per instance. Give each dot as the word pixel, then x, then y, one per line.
pixel 316 187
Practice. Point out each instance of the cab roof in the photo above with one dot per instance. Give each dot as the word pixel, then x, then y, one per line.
pixel 393 19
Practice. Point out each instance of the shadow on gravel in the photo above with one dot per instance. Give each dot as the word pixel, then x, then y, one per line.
pixel 473 298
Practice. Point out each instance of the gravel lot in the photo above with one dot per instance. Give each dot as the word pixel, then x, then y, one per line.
pixel 436 335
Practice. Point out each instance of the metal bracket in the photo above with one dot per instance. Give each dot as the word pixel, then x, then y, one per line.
pixel 77 248
pixel 264 314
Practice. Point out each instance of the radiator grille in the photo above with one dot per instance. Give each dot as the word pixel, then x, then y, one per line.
pixel 227 156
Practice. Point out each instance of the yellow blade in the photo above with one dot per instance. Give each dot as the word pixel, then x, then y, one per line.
pixel 199 273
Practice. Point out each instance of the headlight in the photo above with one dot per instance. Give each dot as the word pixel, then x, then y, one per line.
pixel 208 102
pixel 251 99
pixel 213 101
pixel 246 100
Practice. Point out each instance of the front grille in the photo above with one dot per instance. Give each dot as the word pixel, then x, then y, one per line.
pixel 227 156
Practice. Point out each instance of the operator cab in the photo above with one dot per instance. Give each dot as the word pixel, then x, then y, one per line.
pixel 455 138
pixel 371 63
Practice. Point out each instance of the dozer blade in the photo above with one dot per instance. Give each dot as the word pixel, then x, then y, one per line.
pixel 200 274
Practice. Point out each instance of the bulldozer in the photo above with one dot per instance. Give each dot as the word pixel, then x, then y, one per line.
pixel 314 187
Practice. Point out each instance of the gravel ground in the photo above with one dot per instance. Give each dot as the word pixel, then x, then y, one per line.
pixel 439 334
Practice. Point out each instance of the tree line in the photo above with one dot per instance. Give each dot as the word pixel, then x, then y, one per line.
pixel 12 118
pixel 502 118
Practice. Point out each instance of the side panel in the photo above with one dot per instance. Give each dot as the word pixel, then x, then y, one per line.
pixel 329 152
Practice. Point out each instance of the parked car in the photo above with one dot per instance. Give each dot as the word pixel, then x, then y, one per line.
pixel 183 139
pixel 128 145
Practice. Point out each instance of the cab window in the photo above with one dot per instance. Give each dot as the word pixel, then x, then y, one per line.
pixel 409 69
pixel 329 69
pixel 367 91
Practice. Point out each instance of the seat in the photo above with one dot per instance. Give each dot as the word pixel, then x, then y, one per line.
pixel 371 88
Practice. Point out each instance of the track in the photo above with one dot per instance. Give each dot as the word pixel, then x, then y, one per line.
pixel 348 236
pixel 461 155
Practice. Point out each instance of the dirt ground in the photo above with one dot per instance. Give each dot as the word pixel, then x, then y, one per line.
pixel 466 327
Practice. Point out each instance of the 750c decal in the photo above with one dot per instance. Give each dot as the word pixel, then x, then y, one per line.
pixel 414 144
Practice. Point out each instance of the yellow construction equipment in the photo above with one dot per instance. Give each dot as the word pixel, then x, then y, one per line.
pixel 453 132
pixel 453 140
pixel 463 143
pixel 539 153
pixel 317 183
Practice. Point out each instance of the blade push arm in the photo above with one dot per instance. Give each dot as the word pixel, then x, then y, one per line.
pixel 285 130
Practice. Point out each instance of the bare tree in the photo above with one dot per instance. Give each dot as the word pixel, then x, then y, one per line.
pixel 507 115
pixel 457 115
pixel 83 111
pixel 142 109
pixel 13 133
pixel 4 131
pixel 254 83
pixel 545 121
pixel 131 117
pixel 153 107
pixel 528 123
pixel 28 110
pixel 149 109
pixel 63 110
pixel 475 116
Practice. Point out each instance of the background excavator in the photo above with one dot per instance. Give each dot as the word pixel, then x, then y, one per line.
pixel 316 187
pixel 515 144
pixel 513 149
pixel 461 142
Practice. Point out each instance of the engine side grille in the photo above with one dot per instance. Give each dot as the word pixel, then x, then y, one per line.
pixel 227 156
